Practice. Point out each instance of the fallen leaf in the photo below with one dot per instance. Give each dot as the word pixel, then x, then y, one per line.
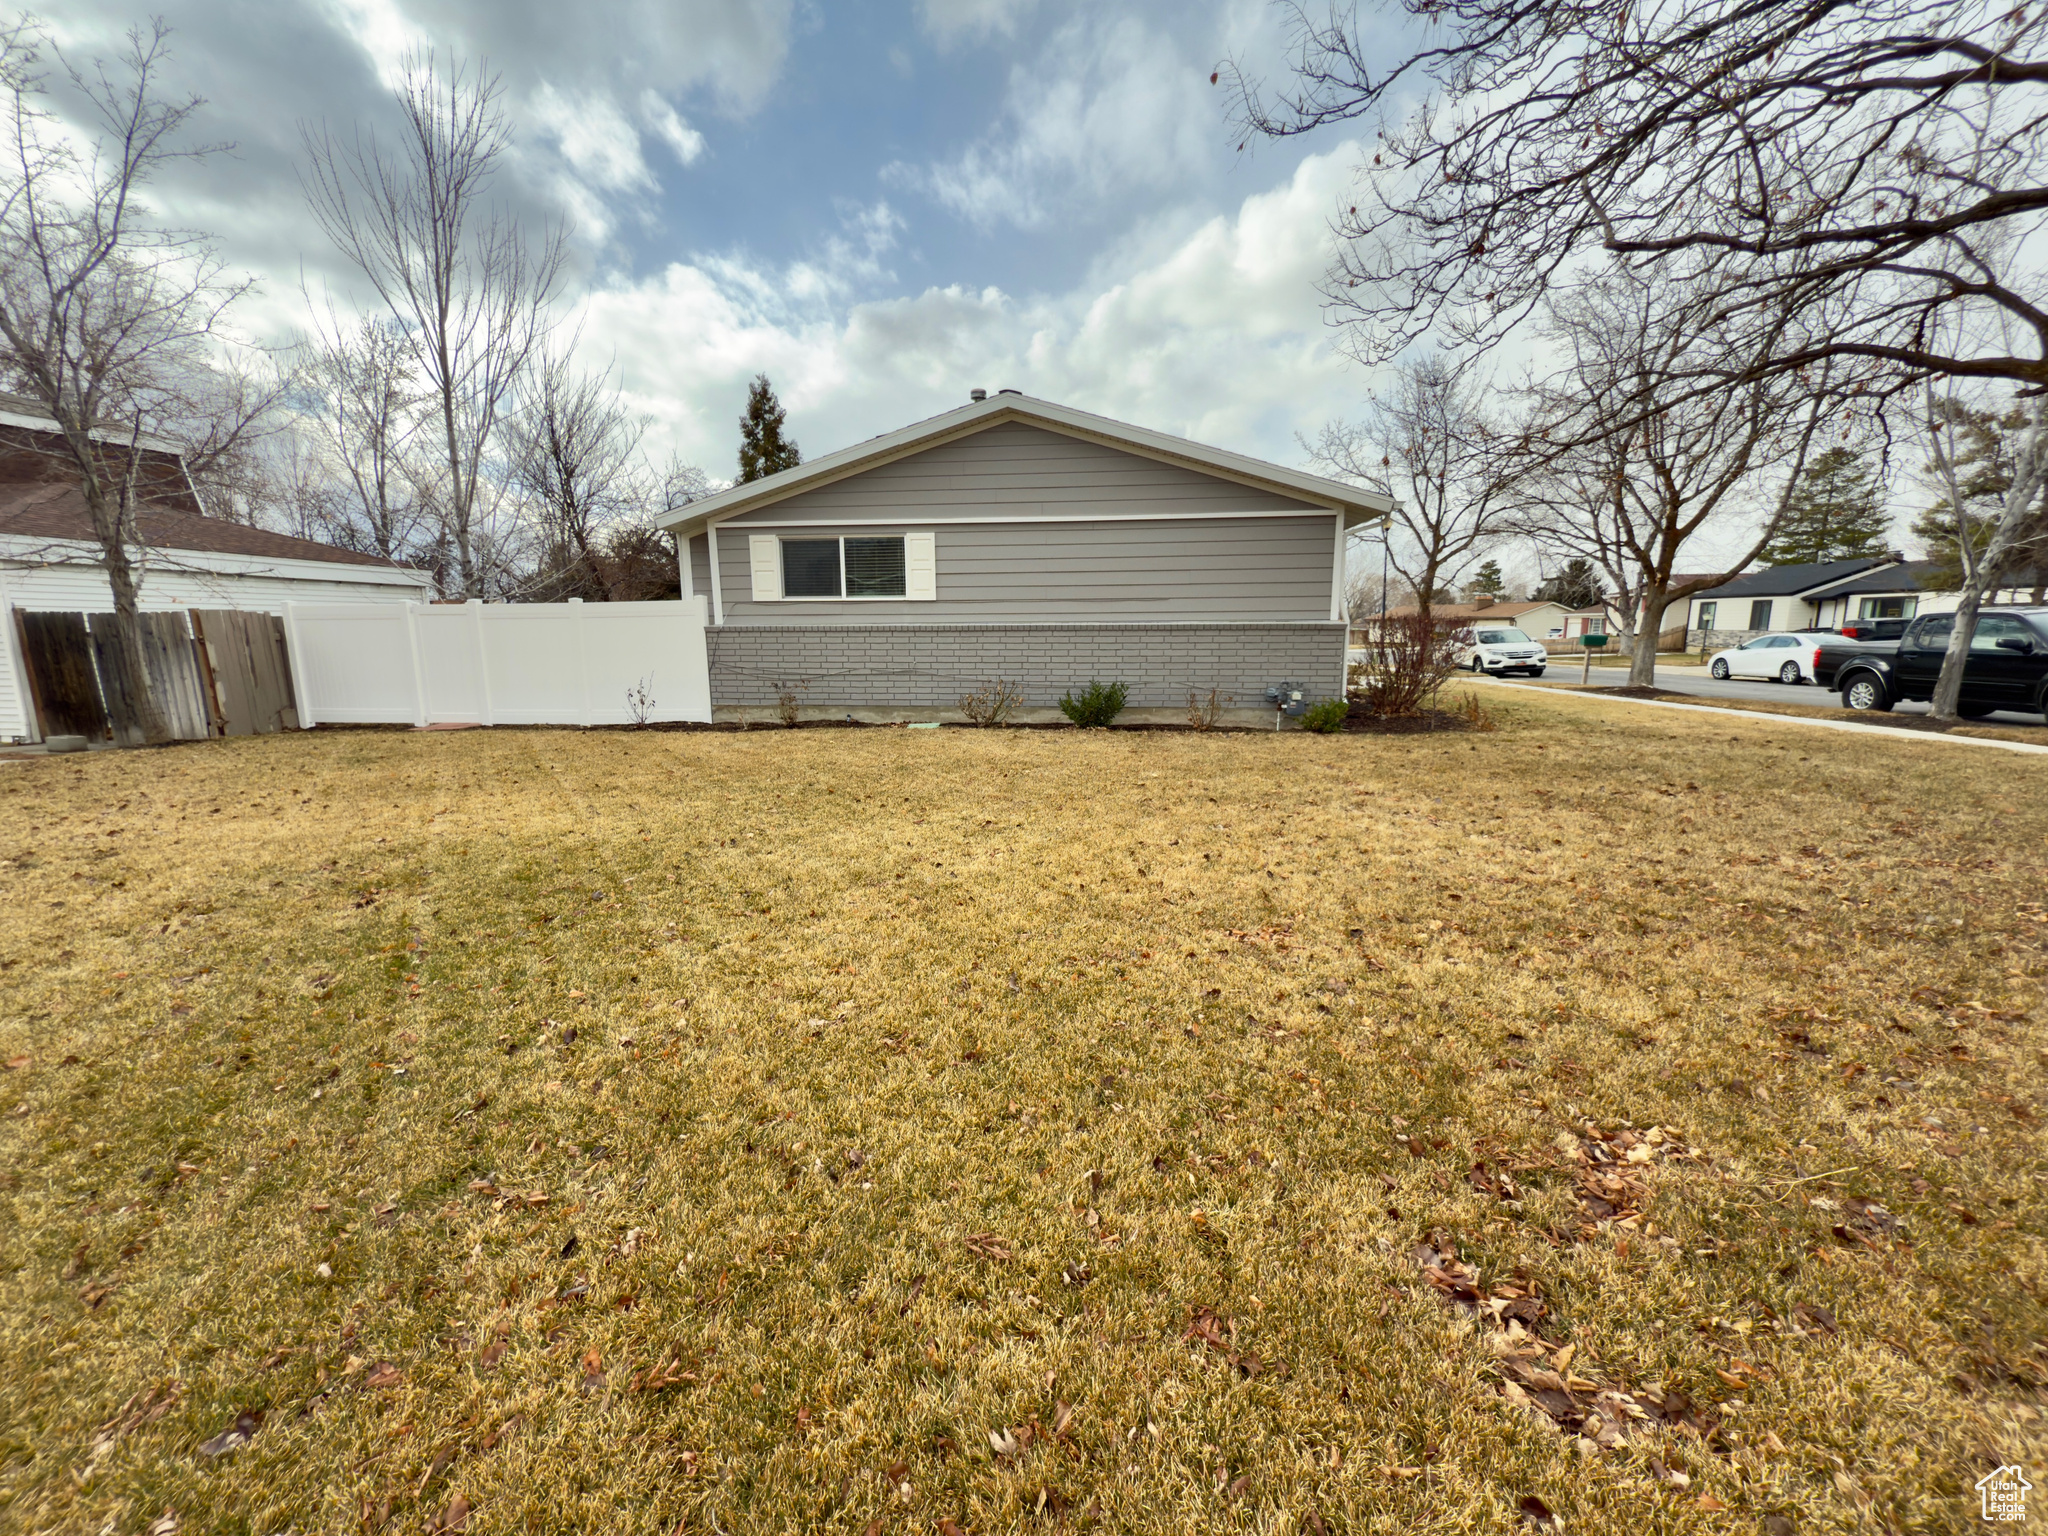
pixel 16 1063
pixel 454 1518
pixel 1535 1511
pixel 1779 1525
pixel 236 1435
pixel 165 1524
pixel 383 1374
pixel 1708 1501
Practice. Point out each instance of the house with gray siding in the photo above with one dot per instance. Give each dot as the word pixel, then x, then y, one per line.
pixel 1020 540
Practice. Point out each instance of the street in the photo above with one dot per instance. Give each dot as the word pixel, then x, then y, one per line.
pixel 1695 681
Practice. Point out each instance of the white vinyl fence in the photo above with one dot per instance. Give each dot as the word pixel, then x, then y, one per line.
pixel 568 663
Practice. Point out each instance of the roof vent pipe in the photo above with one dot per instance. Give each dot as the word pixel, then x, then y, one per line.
pixel 977 395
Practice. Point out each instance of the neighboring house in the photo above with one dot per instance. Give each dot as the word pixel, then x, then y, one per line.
pixel 50 562
pixel 1796 597
pixel 1781 597
pixel 1020 540
pixel 1537 620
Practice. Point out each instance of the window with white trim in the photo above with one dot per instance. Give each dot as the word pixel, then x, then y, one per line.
pixel 843 567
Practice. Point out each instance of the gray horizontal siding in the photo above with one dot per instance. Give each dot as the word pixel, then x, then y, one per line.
pixel 700 566
pixel 1023 470
pixel 1271 569
pixel 931 666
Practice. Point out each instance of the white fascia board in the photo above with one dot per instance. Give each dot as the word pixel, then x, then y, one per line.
pixel 116 439
pixel 908 519
pixel 25 550
pixel 1358 505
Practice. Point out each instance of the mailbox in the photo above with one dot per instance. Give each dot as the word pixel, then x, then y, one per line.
pixel 1593 642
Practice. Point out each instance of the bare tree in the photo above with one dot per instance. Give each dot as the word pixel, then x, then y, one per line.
pixel 470 295
pixel 1429 443
pixel 574 455
pixel 107 317
pixel 1986 546
pixel 1625 464
pixel 381 487
pixel 1871 159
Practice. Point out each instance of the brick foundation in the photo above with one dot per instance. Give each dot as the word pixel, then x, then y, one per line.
pixel 929 666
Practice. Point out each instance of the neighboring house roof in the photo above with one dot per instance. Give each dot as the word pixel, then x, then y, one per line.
pixel 1357 504
pixel 1474 611
pixel 24 411
pixel 1792 580
pixel 57 512
pixel 1908 577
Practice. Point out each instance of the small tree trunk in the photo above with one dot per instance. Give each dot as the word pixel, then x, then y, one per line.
pixel 1948 688
pixel 1642 661
pixel 128 630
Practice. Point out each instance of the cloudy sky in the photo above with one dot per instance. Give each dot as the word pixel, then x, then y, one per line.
pixel 880 205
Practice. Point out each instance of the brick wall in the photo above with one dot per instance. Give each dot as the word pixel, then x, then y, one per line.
pixel 929 666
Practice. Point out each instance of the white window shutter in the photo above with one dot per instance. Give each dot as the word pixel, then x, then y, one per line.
pixel 765 553
pixel 920 566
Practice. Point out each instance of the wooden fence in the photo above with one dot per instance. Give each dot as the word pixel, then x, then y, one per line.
pixel 212 672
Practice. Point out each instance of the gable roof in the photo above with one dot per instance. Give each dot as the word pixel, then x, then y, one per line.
pixel 1791 580
pixel 58 511
pixel 1907 576
pixel 1357 504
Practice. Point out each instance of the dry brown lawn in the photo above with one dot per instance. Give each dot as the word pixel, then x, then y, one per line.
pixel 1612 1123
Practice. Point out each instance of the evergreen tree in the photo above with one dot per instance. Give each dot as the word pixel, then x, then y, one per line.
pixel 1982 445
pixel 1836 512
pixel 763 449
pixel 1489 579
pixel 1576 586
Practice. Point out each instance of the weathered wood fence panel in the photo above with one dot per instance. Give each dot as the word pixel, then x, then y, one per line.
pixel 176 676
pixel 61 676
pixel 79 687
pixel 252 675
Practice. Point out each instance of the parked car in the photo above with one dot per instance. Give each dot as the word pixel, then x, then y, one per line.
pixel 1500 649
pixel 1875 629
pixel 1788 658
pixel 2007 667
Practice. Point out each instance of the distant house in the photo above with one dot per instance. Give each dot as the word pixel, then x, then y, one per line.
pixel 1021 540
pixel 1827 596
pixel 1781 597
pixel 50 561
pixel 1537 620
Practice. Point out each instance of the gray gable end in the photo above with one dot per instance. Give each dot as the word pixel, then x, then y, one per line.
pixel 1016 470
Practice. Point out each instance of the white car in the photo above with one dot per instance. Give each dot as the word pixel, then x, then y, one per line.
pixel 1501 648
pixel 1788 658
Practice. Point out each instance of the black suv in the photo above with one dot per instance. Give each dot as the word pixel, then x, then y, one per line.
pixel 2007 666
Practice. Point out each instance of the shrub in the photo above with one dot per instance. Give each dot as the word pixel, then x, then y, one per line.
pixel 789 701
pixel 1407 659
pixel 993 702
pixel 1325 716
pixel 1099 704
pixel 1203 710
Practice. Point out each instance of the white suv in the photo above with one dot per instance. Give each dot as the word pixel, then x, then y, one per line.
pixel 1500 648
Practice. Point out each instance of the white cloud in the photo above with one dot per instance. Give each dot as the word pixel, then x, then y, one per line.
pixel 594 137
pixel 1112 110
pixel 686 141
pixel 1220 339
pixel 949 22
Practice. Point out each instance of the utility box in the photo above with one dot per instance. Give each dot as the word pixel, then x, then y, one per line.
pixel 1288 698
